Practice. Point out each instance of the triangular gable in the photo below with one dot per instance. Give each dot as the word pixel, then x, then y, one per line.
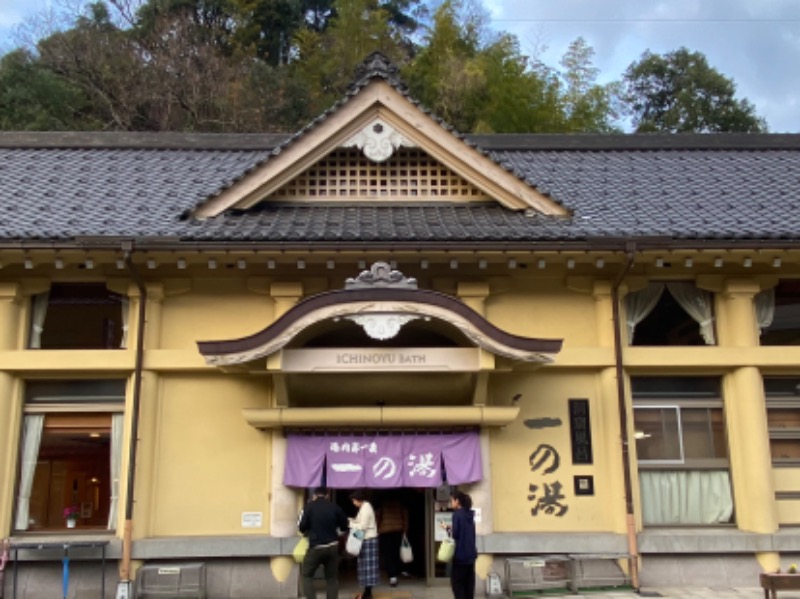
pixel 380 121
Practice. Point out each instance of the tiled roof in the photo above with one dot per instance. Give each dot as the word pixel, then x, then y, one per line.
pixel 61 186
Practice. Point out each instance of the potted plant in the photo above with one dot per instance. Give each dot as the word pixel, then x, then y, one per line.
pixel 71 514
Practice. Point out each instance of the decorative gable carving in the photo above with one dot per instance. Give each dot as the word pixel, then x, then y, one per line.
pixel 378 141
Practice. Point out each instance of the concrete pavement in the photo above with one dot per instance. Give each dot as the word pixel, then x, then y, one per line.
pixel 420 591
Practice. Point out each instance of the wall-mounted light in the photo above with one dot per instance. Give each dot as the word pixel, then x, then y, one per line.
pixel 89 264
pixel 151 264
pixel 330 264
pixel 776 263
pixel 571 263
pixel 717 262
pixel 120 264
pixel 512 263
pixel 542 263
pixel 482 264
pixel 212 264
pixel 59 264
pixel 659 262
pixel 599 263
pixel 271 264
pixel 423 264
pixel 241 264
pixel 28 264
pixel 688 262
pixel 301 264
pixel 748 262
pixel 181 264
pixel 454 264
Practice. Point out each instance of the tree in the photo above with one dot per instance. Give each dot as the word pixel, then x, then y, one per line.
pixel 588 106
pixel 481 83
pixel 679 92
pixel 34 98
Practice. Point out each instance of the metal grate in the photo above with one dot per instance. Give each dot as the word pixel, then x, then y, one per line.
pixel 408 174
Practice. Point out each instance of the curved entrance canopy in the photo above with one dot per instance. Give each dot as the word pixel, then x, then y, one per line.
pixel 382 304
pixel 379 354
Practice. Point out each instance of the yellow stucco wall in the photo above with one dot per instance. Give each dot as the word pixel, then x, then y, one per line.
pixel 211 465
pixel 544 398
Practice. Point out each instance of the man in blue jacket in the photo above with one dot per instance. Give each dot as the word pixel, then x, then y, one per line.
pixel 462 570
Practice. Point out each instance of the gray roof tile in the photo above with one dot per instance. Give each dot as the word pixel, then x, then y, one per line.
pixel 709 192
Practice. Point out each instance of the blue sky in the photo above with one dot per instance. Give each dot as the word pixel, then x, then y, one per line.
pixel 754 42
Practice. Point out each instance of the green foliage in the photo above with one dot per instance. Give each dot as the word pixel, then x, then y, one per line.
pixel 273 65
pixel 680 92
pixel 33 98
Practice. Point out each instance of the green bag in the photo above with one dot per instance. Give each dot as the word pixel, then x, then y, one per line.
pixel 446 550
pixel 300 550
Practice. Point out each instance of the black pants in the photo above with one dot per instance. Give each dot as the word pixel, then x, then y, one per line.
pixel 389 545
pixel 328 558
pixel 462 580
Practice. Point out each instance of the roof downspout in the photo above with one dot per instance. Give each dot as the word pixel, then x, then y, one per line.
pixel 633 549
pixel 125 567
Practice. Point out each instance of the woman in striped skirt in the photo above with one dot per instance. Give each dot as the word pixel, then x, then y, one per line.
pixel 368 570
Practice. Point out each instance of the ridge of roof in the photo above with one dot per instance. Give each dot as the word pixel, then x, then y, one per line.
pixel 512 142
pixel 127 140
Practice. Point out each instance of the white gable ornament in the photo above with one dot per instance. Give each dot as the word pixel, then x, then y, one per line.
pixel 378 141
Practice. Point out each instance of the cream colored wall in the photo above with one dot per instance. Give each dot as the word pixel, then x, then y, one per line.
pixel 211 465
pixel 543 308
pixel 214 309
pixel 544 396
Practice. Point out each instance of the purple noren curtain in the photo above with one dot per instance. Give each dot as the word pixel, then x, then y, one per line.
pixel 382 461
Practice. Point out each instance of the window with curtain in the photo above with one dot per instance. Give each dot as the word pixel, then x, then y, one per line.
pixel 78 316
pixel 70 455
pixel 682 451
pixel 783 419
pixel 778 314
pixel 670 313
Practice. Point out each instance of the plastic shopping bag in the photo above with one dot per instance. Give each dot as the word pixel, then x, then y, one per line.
pixel 354 540
pixel 406 555
pixel 300 550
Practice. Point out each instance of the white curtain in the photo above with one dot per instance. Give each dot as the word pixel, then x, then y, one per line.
pixel 125 306
pixel 698 304
pixel 117 423
pixel 31 439
pixel 686 497
pixel 765 308
pixel 39 312
pixel 639 304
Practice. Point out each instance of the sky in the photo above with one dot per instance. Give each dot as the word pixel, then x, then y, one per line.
pixel 756 43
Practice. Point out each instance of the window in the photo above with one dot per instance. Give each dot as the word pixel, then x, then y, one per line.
pixel 681 447
pixel 70 454
pixel 78 316
pixel 783 419
pixel 778 313
pixel 674 313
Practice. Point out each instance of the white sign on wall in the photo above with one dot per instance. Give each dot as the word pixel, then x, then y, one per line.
pixel 439 518
pixel 252 519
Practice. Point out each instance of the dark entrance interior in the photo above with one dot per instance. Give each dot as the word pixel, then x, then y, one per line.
pixel 414 502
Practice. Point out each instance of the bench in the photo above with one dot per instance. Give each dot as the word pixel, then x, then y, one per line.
pixel 774 582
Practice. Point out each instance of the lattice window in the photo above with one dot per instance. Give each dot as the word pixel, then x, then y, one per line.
pixel 409 174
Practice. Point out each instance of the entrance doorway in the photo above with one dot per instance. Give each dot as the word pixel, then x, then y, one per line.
pixel 419 506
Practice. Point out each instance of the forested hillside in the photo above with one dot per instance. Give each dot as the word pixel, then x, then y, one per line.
pixel 272 65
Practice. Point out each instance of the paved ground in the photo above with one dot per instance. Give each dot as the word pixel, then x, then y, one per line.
pixel 417 591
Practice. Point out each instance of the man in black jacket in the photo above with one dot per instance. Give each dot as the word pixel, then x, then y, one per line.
pixel 322 522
